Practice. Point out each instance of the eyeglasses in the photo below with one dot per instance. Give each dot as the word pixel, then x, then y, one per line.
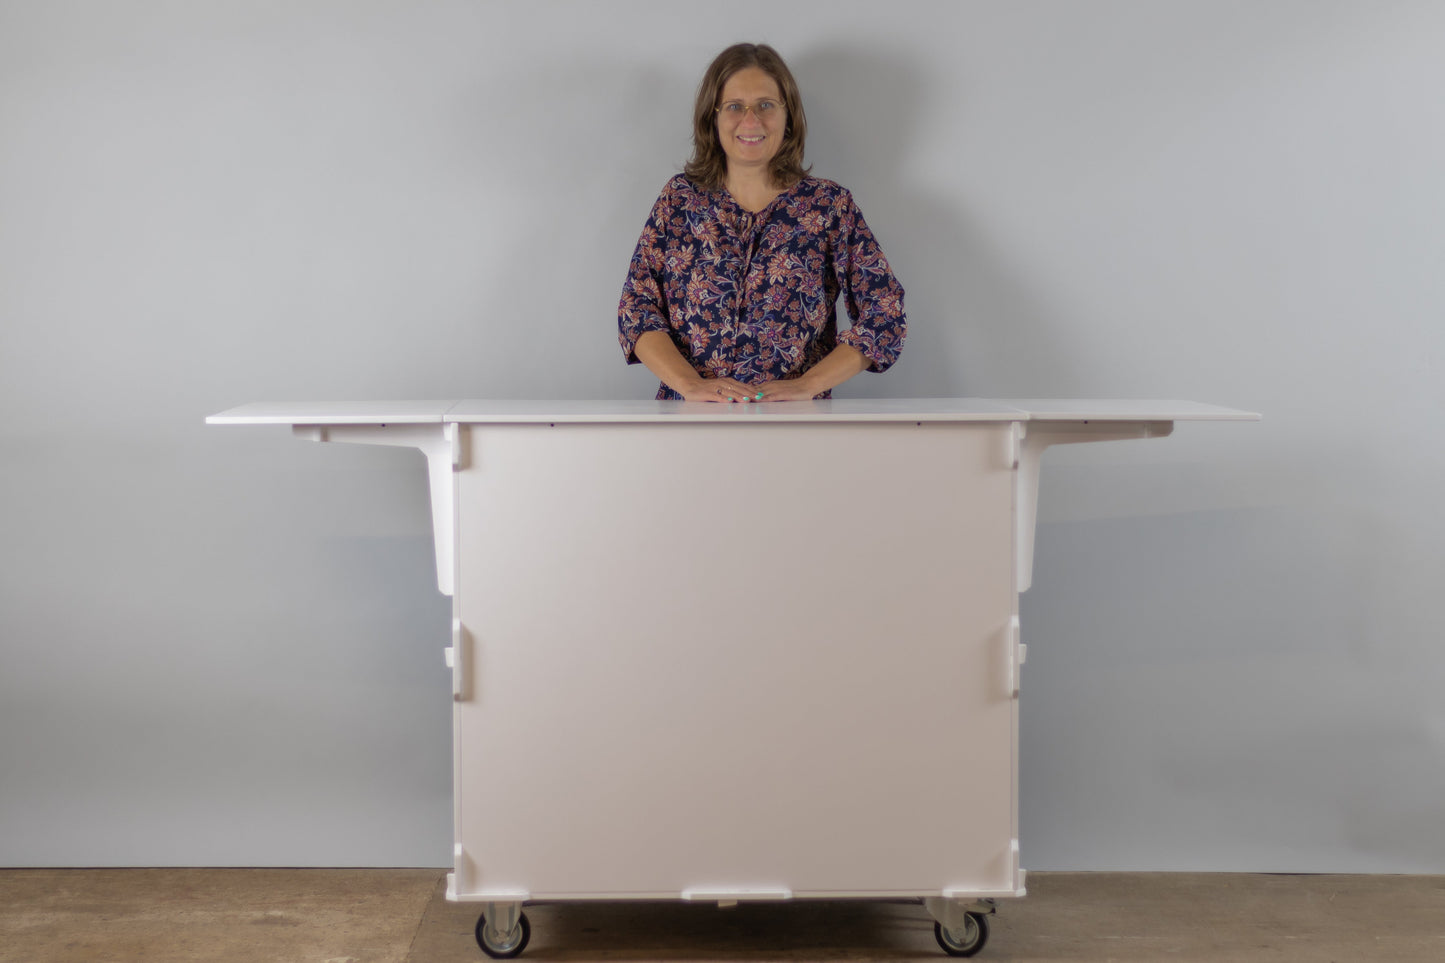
pixel 763 110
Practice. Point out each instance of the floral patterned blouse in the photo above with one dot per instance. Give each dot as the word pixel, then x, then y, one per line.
pixel 753 296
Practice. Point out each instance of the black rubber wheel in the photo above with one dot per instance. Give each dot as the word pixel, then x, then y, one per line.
pixel 970 941
pixel 504 949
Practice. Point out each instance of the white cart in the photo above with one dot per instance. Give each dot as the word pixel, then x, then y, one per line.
pixel 726 653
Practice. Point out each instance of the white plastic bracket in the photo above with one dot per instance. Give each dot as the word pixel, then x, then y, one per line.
pixel 727 897
pixel 1014 654
pixel 1040 435
pixel 459 880
pixel 459 660
pixel 442 444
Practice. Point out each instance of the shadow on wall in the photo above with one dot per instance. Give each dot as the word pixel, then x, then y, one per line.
pixel 568 166
pixel 1168 714
pixel 974 326
pixel 1288 587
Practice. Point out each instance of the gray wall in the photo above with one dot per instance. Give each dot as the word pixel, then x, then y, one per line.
pixel 223 646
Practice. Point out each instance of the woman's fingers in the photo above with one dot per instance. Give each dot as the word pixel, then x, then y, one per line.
pixel 735 391
pixel 728 390
pixel 787 390
pixel 716 390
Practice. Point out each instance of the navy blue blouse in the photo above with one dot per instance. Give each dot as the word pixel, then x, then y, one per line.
pixel 753 296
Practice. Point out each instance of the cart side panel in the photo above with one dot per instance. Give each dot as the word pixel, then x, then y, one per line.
pixel 730 658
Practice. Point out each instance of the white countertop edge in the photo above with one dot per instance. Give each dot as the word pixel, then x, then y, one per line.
pixel 1086 409
pixel 654 411
pixel 851 410
pixel 334 413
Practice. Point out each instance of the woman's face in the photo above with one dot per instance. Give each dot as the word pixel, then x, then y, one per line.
pixel 751 118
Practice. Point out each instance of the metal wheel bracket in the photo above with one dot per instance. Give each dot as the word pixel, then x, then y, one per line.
pixel 502 917
pixel 502 930
pixel 951 914
pixel 961 926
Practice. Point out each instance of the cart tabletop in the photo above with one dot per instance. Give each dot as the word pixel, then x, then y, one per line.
pixel 838 410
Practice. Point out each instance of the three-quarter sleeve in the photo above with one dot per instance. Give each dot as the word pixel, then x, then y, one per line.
pixel 643 306
pixel 871 294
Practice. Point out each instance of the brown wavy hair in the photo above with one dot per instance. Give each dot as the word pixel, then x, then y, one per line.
pixel 708 166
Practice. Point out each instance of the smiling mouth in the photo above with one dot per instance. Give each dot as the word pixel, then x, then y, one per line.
pixel 752 140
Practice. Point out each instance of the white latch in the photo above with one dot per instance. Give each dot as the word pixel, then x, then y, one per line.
pixel 453 435
pixel 459 660
pixel 1014 655
pixel 726 896
pixel 1016 434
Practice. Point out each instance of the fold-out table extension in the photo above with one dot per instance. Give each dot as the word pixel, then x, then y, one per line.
pixel 734 652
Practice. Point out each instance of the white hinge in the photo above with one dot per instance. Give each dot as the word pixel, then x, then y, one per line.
pixel 459 880
pixel 1014 655
pixel 1016 433
pixel 459 660
pixel 453 435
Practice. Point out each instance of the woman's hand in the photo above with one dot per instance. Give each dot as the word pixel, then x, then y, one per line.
pixel 657 350
pixel 840 364
pixel 792 389
pixel 718 389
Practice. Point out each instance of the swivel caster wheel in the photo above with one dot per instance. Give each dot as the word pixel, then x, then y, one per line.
pixel 967 939
pixel 503 946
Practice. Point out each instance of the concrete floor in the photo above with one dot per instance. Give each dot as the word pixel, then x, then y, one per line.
pixel 371 916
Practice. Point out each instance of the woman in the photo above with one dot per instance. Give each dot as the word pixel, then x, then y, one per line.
pixel 731 295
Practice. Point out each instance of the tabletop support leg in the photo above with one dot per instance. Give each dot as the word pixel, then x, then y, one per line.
pixel 1034 437
pixel 442 446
